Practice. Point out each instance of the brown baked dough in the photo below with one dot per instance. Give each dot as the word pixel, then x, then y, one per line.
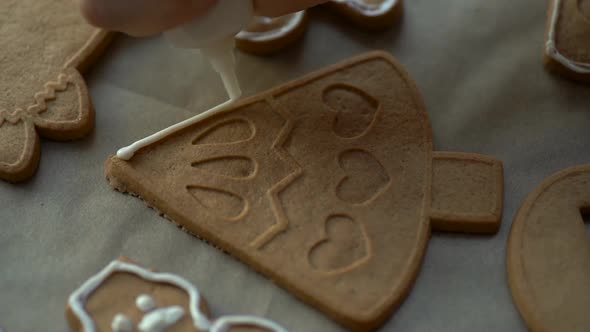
pixel 328 185
pixel 45 45
pixel 549 254
pixel 571 39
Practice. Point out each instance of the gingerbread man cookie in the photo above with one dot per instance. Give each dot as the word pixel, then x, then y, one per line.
pixel 567 46
pixel 125 297
pixel 328 185
pixel 45 45
pixel 549 254
pixel 267 35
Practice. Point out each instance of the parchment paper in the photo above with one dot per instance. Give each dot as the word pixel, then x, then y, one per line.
pixel 478 66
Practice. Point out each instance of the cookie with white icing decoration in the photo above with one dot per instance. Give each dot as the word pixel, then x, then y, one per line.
pixel 329 185
pixel 369 14
pixel 124 297
pixel 267 35
pixel 45 45
pixel 567 43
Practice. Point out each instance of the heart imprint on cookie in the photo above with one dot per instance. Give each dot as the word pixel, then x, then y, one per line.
pixel 355 109
pixel 343 247
pixel 365 178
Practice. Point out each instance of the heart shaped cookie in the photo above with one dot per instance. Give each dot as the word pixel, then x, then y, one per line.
pixel 328 185
pixel 45 46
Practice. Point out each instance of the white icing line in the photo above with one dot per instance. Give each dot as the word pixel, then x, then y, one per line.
pixel 222 59
pixel 369 9
pixel 551 48
pixel 128 152
pixel 293 22
pixel 78 298
pixel 223 324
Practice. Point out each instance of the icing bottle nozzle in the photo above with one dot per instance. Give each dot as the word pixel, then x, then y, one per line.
pixel 213 33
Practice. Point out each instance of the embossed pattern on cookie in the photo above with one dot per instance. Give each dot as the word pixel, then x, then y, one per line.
pixel 567 46
pixel 549 254
pixel 327 185
pixel 45 46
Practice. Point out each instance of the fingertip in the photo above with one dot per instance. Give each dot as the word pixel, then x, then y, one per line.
pixel 92 13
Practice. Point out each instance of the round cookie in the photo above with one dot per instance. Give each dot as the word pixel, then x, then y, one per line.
pixel 266 35
pixel 549 254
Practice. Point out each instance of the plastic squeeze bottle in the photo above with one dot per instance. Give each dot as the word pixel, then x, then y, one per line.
pixel 213 33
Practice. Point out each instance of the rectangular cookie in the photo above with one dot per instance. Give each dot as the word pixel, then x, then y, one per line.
pixel 567 45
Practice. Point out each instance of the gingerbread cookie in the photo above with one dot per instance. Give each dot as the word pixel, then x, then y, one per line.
pixel 549 254
pixel 369 14
pixel 567 48
pixel 328 185
pixel 125 297
pixel 45 45
pixel 266 35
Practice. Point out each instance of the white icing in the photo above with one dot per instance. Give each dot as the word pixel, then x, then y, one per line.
pixel 78 299
pixel 370 9
pixel 222 59
pixel 551 48
pixel 160 319
pixel 121 323
pixel 294 20
pixel 225 323
pixel 145 303
pixel 128 152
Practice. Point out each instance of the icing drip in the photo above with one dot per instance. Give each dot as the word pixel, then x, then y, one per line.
pixel 145 303
pixel 160 319
pixel 553 52
pixel 121 323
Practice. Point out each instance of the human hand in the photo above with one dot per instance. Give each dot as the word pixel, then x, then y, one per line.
pixel 148 17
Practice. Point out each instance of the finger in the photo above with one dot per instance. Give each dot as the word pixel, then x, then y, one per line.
pixel 142 17
pixel 273 8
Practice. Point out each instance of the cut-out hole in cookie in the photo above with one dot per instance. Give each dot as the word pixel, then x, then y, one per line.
pixel 231 166
pixel 343 247
pixel 355 109
pixel 365 177
pixel 220 203
pixel 231 131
